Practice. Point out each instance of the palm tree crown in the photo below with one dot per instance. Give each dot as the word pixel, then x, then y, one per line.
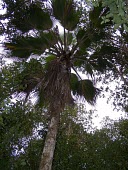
pixel 59 52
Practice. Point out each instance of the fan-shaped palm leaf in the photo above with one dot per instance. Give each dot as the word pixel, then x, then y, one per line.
pixel 88 91
pixel 39 18
pixel 74 83
pixel 23 47
pixel 65 11
pixel 30 17
pixel 84 88
pixel 89 36
pixel 103 58
pixel 96 16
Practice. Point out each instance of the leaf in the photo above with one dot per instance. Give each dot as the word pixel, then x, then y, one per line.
pixel 20 16
pixel 74 83
pixel 65 11
pixel 1 121
pixel 94 16
pixel 86 38
pixel 41 99
pixel 23 47
pixel 83 39
pixel 33 17
pixel 101 16
pixel 88 91
pixel 105 48
pixel 38 18
pixel 79 63
pixel 125 27
pixel 69 38
pixel 23 163
pixel 117 19
pixel 89 68
pixel 48 60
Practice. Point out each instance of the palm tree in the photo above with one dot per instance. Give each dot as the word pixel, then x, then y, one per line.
pixel 34 32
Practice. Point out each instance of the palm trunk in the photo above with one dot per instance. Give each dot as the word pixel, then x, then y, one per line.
pixel 49 146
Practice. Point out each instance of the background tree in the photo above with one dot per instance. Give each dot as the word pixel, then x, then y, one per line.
pixel 117 11
pixel 23 134
pixel 78 146
pixel 18 127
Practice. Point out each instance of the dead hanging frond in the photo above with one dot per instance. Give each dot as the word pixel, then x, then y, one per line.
pixel 56 86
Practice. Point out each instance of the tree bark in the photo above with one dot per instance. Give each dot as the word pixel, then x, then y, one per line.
pixel 49 146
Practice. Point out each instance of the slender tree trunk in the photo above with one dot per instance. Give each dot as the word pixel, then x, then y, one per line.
pixel 49 146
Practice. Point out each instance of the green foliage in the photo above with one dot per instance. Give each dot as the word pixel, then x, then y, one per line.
pixel 9 81
pixel 87 89
pixel 21 147
pixel 49 59
pixel 85 44
pixel 87 37
pixel 16 130
pixel 23 47
pixel 27 17
pixel 103 59
pixel 94 16
pixel 65 11
pixel 102 149
pixel 83 36
pixel 84 88
pixel 30 76
pixel 74 83
pixel 38 18
pixel 29 156
pixel 20 77
pixel 117 12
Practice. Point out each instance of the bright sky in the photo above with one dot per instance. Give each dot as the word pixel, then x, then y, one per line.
pixel 103 110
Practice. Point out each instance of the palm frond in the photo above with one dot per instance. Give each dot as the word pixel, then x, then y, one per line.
pixel 74 83
pixel 48 59
pixel 102 59
pixel 89 36
pixel 30 17
pixel 39 18
pixel 88 91
pixel 84 88
pixel 23 47
pixel 83 39
pixel 65 11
